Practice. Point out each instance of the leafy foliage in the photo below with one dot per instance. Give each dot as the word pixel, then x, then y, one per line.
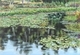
pixel 56 17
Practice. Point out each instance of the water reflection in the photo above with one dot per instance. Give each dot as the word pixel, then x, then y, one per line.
pixel 20 45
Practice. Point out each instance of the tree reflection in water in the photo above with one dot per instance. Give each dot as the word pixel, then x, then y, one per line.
pixel 26 43
pixel 3 41
pixel 1 44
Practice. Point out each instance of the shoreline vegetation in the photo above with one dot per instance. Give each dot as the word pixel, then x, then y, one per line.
pixel 34 10
pixel 38 18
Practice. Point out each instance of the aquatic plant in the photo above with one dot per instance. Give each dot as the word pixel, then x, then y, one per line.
pixel 60 42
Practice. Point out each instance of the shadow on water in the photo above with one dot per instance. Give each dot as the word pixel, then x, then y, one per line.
pixel 27 43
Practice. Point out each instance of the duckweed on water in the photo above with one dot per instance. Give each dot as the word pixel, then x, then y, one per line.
pixel 60 42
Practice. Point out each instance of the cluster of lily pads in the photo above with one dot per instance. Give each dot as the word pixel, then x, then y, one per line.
pixel 60 42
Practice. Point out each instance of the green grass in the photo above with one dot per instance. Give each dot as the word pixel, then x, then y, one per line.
pixel 34 10
pixel 70 18
pixel 24 20
pixel 74 27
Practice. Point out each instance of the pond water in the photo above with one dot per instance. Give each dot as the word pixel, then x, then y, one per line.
pixel 16 45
